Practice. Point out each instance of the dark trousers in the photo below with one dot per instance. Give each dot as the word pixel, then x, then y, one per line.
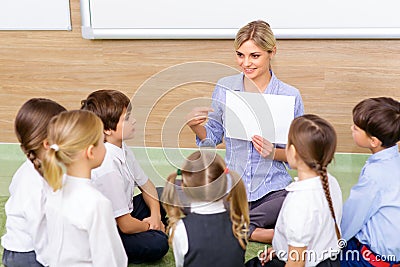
pixel 20 259
pixel 353 255
pixel 264 211
pixel 146 246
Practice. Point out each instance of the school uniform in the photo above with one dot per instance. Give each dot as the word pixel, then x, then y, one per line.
pixel 116 178
pixel 306 221
pixel 205 238
pixel 264 179
pixel 81 227
pixel 370 213
pixel 25 239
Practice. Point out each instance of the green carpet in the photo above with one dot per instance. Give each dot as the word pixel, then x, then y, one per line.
pixel 155 162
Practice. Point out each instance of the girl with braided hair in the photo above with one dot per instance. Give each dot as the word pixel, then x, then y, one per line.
pixel 307 229
pixel 25 240
pixel 213 232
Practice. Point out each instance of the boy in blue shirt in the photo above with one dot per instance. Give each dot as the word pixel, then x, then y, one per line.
pixel 370 214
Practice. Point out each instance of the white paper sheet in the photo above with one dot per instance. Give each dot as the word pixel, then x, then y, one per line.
pixel 249 114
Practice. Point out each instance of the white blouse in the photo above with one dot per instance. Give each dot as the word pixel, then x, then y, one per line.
pixel 26 223
pixel 306 221
pixel 81 227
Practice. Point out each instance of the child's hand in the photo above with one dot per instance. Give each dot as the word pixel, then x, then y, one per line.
pixel 266 256
pixel 155 223
pixel 262 145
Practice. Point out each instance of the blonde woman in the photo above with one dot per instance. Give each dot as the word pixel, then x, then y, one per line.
pixel 259 162
pixel 213 232
pixel 81 226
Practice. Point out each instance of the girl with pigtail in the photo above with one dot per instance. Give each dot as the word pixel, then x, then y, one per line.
pixel 307 230
pixel 80 222
pixel 25 240
pixel 207 212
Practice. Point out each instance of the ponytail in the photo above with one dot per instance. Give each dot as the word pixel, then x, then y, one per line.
pixel 322 172
pixel 239 209
pixel 52 170
pixel 172 205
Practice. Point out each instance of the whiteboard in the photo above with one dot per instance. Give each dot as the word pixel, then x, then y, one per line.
pixel 220 19
pixel 35 15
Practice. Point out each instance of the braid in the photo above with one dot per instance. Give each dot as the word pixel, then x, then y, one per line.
pixel 37 163
pixel 322 171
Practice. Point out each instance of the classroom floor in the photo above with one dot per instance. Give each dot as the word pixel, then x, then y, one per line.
pixel 346 168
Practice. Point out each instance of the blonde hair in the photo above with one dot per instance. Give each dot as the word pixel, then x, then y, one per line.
pixel 259 32
pixel 205 179
pixel 71 132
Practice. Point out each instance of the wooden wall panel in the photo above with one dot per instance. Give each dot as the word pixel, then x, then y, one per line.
pixel 332 75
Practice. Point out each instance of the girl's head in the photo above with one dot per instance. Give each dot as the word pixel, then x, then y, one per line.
pixel 205 178
pixel 31 127
pixel 69 134
pixel 312 140
pixel 259 32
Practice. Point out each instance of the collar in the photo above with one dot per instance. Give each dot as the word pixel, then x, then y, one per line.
pixel 385 154
pixel 74 179
pixel 303 185
pixel 116 151
pixel 208 207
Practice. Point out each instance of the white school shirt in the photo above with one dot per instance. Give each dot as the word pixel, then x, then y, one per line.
pixel 180 243
pixel 26 222
pixel 117 176
pixel 306 221
pixel 81 227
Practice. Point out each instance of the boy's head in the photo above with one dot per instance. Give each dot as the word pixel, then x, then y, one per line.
pixel 109 105
pixel 379 117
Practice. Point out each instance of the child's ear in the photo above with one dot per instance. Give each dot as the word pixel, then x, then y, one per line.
pixel 107 132
pixel 375 142
pixel 89 152
pixel 46 144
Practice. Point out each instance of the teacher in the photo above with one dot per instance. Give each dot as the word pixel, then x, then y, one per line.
pixel 259 162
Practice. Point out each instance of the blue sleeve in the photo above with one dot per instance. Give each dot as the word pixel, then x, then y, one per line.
pixel 298 106
pixel 359 207
pixel 214 125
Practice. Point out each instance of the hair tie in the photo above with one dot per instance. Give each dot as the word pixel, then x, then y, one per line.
pixel 55 147
pixel 178 172
pixel 226 171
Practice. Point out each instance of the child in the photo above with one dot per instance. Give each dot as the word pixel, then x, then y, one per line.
pixel 371 212
pixel 209 235
pixel 26 239
pixel 81 227
pixel 138 218
pixel 306 232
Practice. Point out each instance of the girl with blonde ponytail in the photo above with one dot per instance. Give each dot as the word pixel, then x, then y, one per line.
pixel 307 230
pixel 81 225
pixel 25 240
pixel 207 212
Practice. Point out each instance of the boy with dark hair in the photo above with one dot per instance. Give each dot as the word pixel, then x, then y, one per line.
pixel 138 217
pixel 370 214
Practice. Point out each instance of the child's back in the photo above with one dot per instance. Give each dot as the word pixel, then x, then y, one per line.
pixel 214 231
pixel 76 216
